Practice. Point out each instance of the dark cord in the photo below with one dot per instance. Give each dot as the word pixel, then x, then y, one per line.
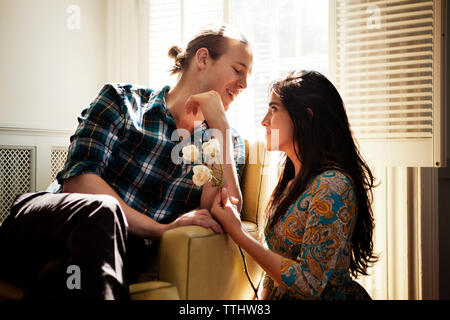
pixel 248 276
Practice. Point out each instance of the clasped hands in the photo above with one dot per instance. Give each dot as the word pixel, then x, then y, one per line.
pixel 222 217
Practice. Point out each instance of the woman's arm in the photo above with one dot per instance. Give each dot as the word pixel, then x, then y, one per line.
pixel 224 211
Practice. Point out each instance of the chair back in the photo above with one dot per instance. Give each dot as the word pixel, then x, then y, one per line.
pixel 255 183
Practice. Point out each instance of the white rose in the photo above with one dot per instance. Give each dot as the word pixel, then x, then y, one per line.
pixel 202 174
pixel 211 148
pixel 190 153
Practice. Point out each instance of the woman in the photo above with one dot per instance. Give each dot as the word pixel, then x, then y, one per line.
pixel 320 224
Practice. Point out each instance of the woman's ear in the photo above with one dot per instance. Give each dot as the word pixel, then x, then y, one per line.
pixel 201 58
pixel 310 113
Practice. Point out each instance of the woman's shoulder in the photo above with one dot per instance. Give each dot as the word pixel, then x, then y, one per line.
pixel 330 192
pixel 334 173
pixel 333 180
pixel 330 181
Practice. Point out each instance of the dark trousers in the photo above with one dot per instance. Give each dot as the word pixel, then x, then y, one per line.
pixel 65 246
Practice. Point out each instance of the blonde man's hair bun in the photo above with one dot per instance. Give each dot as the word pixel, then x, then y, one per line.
pixel 174 52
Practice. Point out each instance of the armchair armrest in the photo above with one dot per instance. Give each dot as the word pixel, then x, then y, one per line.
pixel 9 291
pixel 153 290
pixel 206 265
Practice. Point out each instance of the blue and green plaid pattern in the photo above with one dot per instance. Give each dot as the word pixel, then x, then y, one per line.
pixel 126 136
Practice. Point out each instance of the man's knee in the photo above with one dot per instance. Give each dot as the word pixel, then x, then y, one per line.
pixel 107 202
pixel 108 207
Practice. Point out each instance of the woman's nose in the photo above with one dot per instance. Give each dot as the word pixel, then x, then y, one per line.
pixel 265 121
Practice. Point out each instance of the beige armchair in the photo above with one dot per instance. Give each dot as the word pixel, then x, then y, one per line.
pixel 196 263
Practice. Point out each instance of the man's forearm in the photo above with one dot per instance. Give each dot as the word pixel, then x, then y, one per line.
pixel 230 177
pixel 138 223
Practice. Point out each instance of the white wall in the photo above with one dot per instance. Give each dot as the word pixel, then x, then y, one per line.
pixel 49 73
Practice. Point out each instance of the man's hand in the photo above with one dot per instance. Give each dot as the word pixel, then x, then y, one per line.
pixel 210 105
pixel 199 217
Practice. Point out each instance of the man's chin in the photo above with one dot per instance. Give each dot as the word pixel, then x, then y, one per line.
pixel 226 105
pixel 226 101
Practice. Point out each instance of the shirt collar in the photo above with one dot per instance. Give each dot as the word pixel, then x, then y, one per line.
pixel 159 101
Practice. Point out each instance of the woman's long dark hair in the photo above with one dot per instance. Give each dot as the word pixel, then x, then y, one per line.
pixel 323 141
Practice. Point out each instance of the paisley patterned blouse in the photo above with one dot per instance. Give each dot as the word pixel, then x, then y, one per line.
pixel 314 237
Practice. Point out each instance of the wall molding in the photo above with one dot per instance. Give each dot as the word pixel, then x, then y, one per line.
pixel 26 130
pixel 43 138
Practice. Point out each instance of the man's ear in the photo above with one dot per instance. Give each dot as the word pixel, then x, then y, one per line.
pixel 202 58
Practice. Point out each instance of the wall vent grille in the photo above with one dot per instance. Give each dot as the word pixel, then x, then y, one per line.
pixel 16 175
pixel 58 158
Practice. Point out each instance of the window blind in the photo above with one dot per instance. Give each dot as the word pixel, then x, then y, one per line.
pixel 387 66
pixel 165 30
pixel 175 22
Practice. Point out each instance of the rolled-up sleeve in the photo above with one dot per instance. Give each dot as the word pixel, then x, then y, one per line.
pixel 97 136
pixel 238 153
pixel 267 282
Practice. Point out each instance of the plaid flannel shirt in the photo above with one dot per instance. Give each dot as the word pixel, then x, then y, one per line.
pixel 126 136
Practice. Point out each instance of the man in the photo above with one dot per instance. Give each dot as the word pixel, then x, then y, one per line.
pixel 119 177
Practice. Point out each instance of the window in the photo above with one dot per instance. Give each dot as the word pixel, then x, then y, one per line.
pixel 385 61
pixel 175 22
pixel 284 35
pixel 388 69
pixel 385 58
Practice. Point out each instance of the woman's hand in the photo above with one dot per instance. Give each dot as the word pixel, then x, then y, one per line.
pixel 200 217
pixel 210 105
pixel 224 211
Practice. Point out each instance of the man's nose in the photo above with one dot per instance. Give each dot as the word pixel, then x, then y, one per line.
pixel 242 83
